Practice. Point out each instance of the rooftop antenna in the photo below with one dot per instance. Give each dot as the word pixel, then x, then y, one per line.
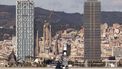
pixel 49 17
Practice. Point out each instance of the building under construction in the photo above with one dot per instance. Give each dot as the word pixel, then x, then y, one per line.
pixel 47 37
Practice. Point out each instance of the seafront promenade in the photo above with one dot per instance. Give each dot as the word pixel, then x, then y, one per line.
pixel 54 68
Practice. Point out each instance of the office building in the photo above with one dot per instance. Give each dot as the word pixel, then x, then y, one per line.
pixel 92 35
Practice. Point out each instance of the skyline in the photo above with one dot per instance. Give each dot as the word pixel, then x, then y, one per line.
pixel 34 37
pixel 70 6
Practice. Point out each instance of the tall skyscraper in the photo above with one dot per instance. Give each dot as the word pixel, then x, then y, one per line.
pixel 92 35
pixel 25 28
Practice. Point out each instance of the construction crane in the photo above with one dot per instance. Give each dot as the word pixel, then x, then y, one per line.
pixel 47 34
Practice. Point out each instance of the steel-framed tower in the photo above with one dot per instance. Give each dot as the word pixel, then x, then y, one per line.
pixel 25 28
pixel 92 35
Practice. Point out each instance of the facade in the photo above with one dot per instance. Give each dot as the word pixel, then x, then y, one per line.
pixel 47 37
pixel 92 35
pixel 37 47
pixel 25 28
pixel 117 52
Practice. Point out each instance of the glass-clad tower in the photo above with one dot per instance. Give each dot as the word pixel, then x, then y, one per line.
pixel 25 28
pixel 92 35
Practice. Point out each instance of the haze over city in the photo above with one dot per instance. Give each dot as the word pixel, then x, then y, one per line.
pixel 70 6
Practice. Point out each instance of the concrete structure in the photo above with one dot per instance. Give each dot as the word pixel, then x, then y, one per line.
pixel 111 63
pixel 117 52
pixel 47 37
pixel 92 35
pixel 25 28
pixel 37 47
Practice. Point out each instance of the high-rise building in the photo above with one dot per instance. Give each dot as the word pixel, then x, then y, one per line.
pixel 92 35
pixel 47 37
pixel 25 28
pixel 37 48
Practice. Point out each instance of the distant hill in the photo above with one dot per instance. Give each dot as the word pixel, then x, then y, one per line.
pixel 58 20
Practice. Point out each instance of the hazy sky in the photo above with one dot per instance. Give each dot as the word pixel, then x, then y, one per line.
pixel 70 6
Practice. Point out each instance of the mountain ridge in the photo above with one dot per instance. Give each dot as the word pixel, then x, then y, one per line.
pixel 58 20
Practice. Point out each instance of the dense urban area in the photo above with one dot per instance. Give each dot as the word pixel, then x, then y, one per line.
pixel 111 43
pixel 38 42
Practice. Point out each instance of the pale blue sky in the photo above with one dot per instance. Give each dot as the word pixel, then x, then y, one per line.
pixel 70 6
